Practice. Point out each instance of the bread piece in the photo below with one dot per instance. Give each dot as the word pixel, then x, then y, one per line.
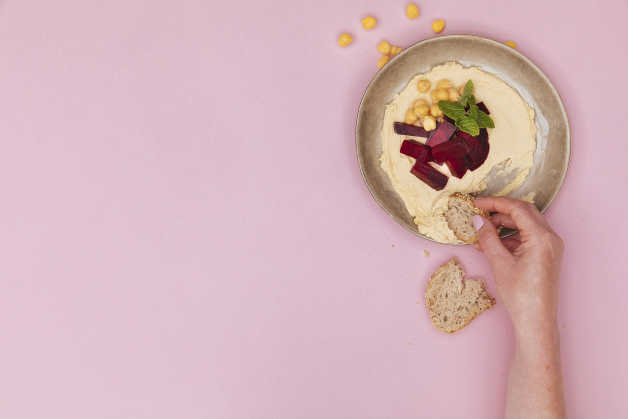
pixel 459 215
pixel 452 302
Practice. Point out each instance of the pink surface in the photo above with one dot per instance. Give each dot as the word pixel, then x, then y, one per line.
pixel 185 232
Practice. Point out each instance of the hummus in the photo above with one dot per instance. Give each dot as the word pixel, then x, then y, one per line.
pixel 512 144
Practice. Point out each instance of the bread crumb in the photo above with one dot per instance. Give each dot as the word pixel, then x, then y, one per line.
pixel 393 245
pixel 426 253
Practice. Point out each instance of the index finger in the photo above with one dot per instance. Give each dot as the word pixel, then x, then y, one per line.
pixel 526 216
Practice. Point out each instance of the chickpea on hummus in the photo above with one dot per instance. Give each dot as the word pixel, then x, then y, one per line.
pixel 512 142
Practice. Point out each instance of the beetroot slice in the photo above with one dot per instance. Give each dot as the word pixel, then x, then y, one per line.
pixel 429 175
pixel 448 150
pixel 443 133
pixel 478 147
pixel 402 128
pixel 483 108
pixel 412 148
pixel 458 165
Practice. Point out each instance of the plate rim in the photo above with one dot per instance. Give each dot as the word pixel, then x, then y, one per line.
pixel 497 44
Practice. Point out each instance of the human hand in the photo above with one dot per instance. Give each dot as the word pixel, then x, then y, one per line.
pixel 526 266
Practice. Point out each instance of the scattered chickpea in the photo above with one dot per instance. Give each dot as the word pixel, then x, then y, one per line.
pixel 384 47
pixel 411 118
pixel 368 23
pixel 382 61
pixel 439 94
pixel 421 110
pixel 429 123
pixel 453 94
pixel 344 39
pixel 443 84
pixel 419 102
pixel 435 111
pixel 423 85
pixel 395 50
pixel 438 25
pixel 511 44
pixel 412 11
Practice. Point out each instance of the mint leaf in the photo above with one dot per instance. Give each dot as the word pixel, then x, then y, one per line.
pixel 466 93
pixel 473 109
pixel 468 125
pixel 484 121
pixel 452 109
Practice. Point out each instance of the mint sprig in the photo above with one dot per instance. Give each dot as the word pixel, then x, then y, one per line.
pixel 466 94
pixel 453 110
pixel 484 121
pixel 465 112
pixel 468 124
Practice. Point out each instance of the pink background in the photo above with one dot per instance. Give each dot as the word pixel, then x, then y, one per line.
pixel 185 232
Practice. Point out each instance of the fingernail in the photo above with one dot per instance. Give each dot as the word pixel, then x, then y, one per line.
pixel 478 222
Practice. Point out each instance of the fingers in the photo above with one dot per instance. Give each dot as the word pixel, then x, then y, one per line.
pixel 492 247
pixel 503 220
pixel 525 216
pixel 511 243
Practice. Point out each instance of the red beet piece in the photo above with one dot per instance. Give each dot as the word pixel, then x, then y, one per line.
pixel 412 148
pixel 402 128
pixel 449 149
pixel 483 108
pixel 443 133
pixel 434 178
pixel 478 147
pixel 458 165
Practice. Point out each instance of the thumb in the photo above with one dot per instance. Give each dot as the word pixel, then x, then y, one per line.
pixel 491 245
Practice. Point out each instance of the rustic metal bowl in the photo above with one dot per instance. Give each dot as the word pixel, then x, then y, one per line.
pixel 553 140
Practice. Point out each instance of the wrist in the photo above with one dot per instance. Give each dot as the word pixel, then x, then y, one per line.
pixel 538 340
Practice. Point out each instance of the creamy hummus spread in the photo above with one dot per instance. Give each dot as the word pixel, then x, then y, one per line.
pixel 512 144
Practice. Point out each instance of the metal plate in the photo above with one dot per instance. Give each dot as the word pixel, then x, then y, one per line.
pixel 553 140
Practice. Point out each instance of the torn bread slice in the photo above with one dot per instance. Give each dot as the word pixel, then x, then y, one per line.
pixel 460 211
pixel 453 302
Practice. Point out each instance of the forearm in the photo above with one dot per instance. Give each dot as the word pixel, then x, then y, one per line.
pixel 535 387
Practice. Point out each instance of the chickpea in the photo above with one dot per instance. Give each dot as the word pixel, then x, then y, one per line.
pixel 382 61
pixel 429 123
pixel 435 111
pixel 511 44
pixel 344 39
pixel 412 11
pixel 423 85
pixel 438 25
pixel 368 23
pixel 439 94
pixel 395 51
pixel 384 47
pixel 411 118
pixel 421 110
pixel 453 94
pixel 419 102
pixel 443 84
